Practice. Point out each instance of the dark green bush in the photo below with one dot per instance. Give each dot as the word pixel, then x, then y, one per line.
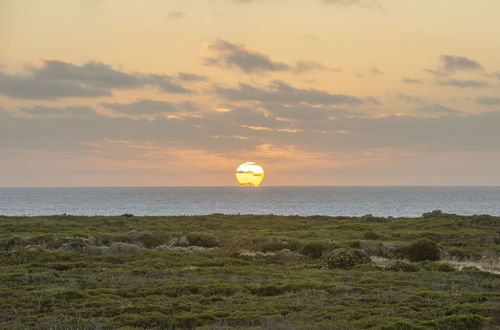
pixel 461 254
pixel 400 266
pixel 347 258
pixel 279 243
pixel 433 214
pixel 439 267
pixel 147 238
pixel 371 235
pixel 421 250
pixel 401 325
pixel 203 239
pixel 313 249
pixel 470 321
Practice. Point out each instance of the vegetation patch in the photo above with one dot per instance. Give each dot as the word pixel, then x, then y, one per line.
pixel 249 271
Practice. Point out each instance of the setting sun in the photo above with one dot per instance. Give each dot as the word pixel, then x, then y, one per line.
pixel 250 174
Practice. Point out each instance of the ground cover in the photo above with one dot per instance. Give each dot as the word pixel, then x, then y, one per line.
pixel 250 271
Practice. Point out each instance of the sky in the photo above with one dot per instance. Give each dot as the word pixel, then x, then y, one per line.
pixel 181 92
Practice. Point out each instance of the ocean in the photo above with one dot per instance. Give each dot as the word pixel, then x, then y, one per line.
pixel 333 201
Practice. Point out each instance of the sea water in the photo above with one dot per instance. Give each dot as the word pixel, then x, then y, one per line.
pixel 333 201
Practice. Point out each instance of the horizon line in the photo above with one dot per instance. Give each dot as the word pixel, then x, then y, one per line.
pixel 262 186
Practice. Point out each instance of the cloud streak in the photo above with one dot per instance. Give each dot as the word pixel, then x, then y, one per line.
pixel 281 92
pixel 58 79
pixel 230 55
pixel 465 83
pixel 453 63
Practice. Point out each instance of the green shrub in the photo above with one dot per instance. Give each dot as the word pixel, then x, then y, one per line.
pixel 366 268
pixel 433 214
pixel 279 243
pixel 313 249
pixel 371 235
pixel 347 258
pixel 147 238
pixel 461 254
pixel 470 321
pixel 439 267
pixel 203 239
pixel 421 250
pixel 400 266
pixel 268 290
pixel 401 325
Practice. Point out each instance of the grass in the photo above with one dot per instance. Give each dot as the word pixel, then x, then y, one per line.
pixel 246 271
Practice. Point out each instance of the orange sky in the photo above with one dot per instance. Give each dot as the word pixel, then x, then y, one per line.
pixel 322 92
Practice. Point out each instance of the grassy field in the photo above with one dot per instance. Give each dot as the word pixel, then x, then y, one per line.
pixel 249 271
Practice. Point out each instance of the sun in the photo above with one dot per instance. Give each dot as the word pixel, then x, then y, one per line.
pixel 249 174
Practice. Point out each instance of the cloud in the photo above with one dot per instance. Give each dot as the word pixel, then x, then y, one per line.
pixel 142 107
pixel 453 63
pixel 92 73
pixel 164 82
pixel 29 87
pixel 465 83
pixel 437 109
pixel 58 79
pixel 304 66
pixel 411 81
pixel 281 92
pixel 175 15
pixel 245 128
pixel 191 77
pixel 226 54
pixel 488 100
pixel 409 98
pixel 229 55
pixel 303 112
pixel 42 111
pixel 435 73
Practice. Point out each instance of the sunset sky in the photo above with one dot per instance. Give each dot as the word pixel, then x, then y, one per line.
pixel 319 92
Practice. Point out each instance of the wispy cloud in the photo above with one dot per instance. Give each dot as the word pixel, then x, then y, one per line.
pixel 58 79
pixel 281 92
pixel 230 55
pixel 453 63
pixel 465 83
pixel 488 100
pixel 227 54
pixel 175 15
pixel 411 81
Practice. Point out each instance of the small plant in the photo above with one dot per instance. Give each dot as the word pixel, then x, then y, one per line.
pixel 433 214
pixel 347 258
pixel 422 250
pixel 371 235
pixel 439 267
pixel 313 249
pixel 203 239
pixel 400 266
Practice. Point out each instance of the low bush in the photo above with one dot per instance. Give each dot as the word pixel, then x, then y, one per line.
pixel 466 322
pixel 422 250
pixel 400 266
pixel 433 214
pixel 203 239
pixel 371 235
pixel 347 258
pixel 313 249
pixel 279 243
pixel 147 238
pixel 439 267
